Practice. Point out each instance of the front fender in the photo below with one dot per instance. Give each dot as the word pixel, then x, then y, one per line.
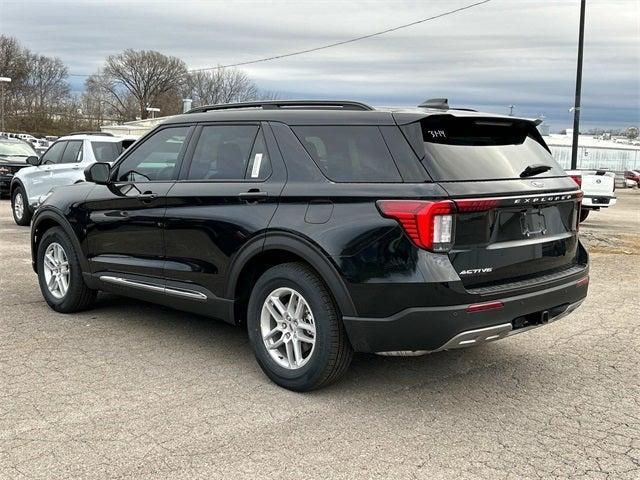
pixel 48 217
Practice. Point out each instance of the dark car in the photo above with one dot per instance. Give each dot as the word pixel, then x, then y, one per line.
pixel 326 228
pixel 13 157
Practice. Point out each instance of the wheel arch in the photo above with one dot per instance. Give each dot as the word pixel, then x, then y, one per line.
pixel 15 183
pixel 275 249
pixel 45 220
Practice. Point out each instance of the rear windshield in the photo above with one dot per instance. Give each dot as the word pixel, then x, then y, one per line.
pixel 106 151
pixel 455 149
pixel 349 153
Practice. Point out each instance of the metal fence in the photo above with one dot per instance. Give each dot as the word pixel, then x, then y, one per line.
pixel 612 159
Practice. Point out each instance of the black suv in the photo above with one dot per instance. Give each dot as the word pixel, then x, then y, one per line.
pixel 326 228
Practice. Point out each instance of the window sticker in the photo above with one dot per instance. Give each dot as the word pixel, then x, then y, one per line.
pixel 257 161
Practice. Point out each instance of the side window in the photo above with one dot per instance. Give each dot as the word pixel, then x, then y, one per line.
pixel 222 152
pixel 349 153
pixel 156 159
pixel 259 166
pixel 72 152
pixel 54 154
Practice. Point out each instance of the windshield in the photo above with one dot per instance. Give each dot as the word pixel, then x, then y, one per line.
pixel 16 151
pixel 455 149
pixel 106 151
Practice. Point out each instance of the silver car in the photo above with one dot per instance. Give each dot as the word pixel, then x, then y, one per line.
pixel 62 164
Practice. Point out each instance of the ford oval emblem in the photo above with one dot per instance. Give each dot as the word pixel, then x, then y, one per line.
pixel 537 184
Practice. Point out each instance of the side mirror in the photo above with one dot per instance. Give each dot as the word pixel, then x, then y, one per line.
pixel 98 173
pixel 33 160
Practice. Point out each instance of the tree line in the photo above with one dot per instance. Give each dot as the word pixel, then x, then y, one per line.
pixel 40 100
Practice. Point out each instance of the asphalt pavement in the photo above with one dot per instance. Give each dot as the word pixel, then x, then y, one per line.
pixel 134 390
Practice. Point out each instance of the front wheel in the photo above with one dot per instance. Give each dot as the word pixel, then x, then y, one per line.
pixel 295 329
pixel 60 274
pixel 20 207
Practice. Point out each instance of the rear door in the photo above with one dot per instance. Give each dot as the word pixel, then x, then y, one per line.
pixel 598 186
pixel 517 211
pixel 227 193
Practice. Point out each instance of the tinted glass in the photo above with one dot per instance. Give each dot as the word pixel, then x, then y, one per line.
pixel 156 159
pixel 349 153
pixel 106 151
pixel 72 153
pixel 259 166
pixel 222 152
pixel 54 154
pixel 479 149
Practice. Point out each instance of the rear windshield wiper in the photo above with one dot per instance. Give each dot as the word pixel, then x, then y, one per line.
pixel 534 170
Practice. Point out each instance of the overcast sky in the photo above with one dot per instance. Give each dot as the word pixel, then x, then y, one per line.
pixel 519 52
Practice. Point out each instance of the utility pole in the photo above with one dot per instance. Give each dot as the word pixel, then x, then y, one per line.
pixel 576 106
pixel 511 107
pixel 3 80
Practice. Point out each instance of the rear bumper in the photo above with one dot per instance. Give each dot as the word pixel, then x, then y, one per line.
pixel 598 202
pixel 442 328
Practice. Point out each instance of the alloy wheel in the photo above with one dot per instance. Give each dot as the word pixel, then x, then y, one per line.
pixel 56 270
pixel 18 205
pixel 287 327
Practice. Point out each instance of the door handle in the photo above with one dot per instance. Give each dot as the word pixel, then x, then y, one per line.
pixel 147 196
pixel 253 195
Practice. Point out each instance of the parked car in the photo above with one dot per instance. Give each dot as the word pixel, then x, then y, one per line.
pixel 63 163
pixel 13 157
pixel 326 228
pixel 598 187
pixel 632 177
pixel 40 145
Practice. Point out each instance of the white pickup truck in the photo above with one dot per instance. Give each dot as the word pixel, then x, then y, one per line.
pixel 598 187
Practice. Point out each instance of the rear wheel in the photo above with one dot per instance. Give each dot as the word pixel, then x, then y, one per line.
pixel 60 274
pixel 584 213
pixel 20 207
pixel 295 329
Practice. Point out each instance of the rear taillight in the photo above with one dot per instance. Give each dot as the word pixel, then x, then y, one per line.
pixel 577 179
pixel 429 224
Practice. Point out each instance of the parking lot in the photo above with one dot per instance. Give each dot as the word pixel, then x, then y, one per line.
pixel 130 389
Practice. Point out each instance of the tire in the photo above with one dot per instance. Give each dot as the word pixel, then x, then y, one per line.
pixel 77 295
pixel 20 207
pixel 329 356
pixel 584 213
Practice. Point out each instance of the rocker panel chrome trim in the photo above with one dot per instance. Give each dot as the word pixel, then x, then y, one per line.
pixel 191 294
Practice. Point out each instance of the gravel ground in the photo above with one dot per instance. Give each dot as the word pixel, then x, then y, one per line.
pixel 133 390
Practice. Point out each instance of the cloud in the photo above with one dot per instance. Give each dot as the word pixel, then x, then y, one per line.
pixel 505 52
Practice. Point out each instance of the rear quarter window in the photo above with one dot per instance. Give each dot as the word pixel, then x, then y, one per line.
pixel 355 154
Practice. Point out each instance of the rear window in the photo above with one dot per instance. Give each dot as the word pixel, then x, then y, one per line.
pixel 106 151
pixel 349 153
pixel 455 149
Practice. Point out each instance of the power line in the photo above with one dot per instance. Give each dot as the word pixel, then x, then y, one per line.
pixel 331 45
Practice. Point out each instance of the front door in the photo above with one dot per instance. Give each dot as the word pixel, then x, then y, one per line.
pixel 125 217
pixel 39 179
pixel 65 170
pixel 227 193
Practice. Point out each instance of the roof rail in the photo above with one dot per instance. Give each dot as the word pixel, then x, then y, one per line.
pixel 106 134
pixel 277 104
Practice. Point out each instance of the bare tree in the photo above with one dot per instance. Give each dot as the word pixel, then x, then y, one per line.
pixel 146 76
pixel 46 83
pixel 222 86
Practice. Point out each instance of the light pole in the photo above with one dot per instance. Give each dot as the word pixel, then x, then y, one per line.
pixel 3 80
pixel 511 107
pixel 153 111
pixel 576 106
